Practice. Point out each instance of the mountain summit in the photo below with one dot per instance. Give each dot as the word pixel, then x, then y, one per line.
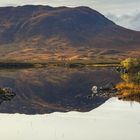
pixel 45 30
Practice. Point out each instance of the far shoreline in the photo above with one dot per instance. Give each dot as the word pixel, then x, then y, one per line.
pixel 81 64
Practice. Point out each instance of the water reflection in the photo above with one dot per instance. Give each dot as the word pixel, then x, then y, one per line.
pixel 49 90
pixel 129 89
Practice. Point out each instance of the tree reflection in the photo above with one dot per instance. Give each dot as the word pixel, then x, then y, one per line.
pixel 129 89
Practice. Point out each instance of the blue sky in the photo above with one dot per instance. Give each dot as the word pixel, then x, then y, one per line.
pixel 123 12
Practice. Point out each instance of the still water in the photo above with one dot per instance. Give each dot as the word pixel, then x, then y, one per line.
pixel 52 104
pixel 40 91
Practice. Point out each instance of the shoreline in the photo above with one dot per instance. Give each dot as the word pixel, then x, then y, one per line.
pixel 20 65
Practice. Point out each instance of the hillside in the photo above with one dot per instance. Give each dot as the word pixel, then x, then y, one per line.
pixel 40 33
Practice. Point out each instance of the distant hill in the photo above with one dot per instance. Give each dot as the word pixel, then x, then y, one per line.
pixel 34 33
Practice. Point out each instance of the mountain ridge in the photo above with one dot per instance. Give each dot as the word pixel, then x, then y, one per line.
pixel 60 31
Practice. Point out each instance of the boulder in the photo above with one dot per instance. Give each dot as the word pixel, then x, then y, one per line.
pixel 6 94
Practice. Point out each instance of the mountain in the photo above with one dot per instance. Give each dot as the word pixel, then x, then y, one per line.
pixel 35 33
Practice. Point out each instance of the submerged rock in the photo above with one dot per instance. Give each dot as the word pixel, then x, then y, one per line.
pixel 108 86
pixel 6 94
pixel 121 70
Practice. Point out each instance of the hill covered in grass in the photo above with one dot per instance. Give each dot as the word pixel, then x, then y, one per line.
pixel 40 33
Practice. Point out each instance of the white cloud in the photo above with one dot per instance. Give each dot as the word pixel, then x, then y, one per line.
pixel 131 21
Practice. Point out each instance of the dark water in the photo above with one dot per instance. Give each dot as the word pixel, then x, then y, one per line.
pixel 54 91
pixel 40 91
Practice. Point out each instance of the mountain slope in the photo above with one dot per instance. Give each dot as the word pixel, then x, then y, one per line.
pixel 43 32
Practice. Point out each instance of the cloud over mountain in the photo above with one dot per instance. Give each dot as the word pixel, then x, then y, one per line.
pixel 131 21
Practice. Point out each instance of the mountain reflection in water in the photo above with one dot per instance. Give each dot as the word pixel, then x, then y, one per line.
pixel 40 91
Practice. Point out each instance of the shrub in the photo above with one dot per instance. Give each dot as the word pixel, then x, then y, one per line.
pixel 131 63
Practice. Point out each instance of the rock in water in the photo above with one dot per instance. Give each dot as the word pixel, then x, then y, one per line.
pixel 6 94
pixel 94 89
